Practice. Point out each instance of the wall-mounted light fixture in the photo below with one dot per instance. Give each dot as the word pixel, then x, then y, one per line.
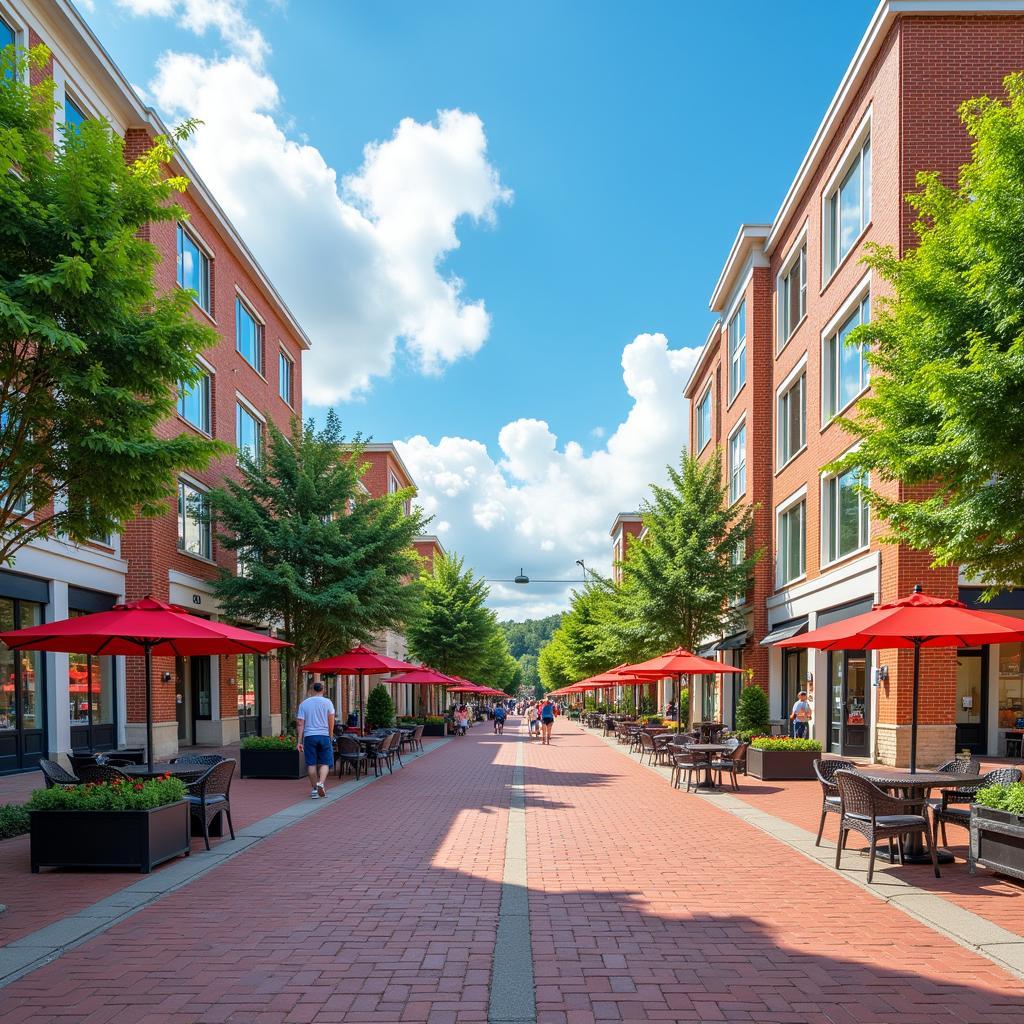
pixel 883 673
pixel 165 677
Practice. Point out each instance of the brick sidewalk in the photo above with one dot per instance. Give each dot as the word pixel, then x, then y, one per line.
pixel 649 904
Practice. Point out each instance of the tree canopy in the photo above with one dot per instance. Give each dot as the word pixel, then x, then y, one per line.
pixel 90 355
pixel 943 420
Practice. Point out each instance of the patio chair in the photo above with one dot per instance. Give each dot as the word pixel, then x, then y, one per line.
pixel 864 808
pixel 945 811
pixel 686 763
pixel 55 775
pixel 830 802
pixel 80 760
pixel 100 773
pixel 348 753
pixel 647 747
pixel 961 766
pixel 377 756
pixel 733 763
pixel 209 760
pixel 210 795
pixel 391 748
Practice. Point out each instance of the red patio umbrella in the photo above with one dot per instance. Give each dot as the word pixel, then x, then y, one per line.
pixel 145 627
pixel 679 662
pixel 916 621
pixel 359 661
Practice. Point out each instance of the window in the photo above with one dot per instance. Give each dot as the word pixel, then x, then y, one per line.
pixel 793 296
pixel 73 114
pixel 792 543
pixel 91 687
pixel 793 419
pixel 248 436
pixel 704 420
pixel 194 403
pixel 844 516
pixel 736 558
pixel 845 372
pixel 738 350
pixel 393 484
pixel 244 557
pixel 7 37
pixel 193 269
pixel 248 336
pixel 285 376
pixel 194 529
pixel 738 464
pixel 848 209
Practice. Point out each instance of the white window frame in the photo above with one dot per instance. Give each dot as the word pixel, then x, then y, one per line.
pixel 19 27
pixel 182 512
pixel 737 358
pixel 283 353
pixel 830 523
pixel 796 498
pixel 737 555
pixel 790 381
pixel 205 252
pixel 852 303
pixel 706 395
pixel 797 251
pixel 740 426
pixel 240 297
pixel 830 230
pixel 242 404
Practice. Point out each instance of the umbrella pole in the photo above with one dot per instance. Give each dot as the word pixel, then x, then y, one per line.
pixel 913 707
pixel 149 707
pixel 362 724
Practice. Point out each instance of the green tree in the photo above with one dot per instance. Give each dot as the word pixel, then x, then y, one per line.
pixel 499 668
pixel 752 713
pixel 380 708
pixel 90 356
pixel 551 665
pixel 947 360
pixel 529 673
pixel 529 636
pixel 328 562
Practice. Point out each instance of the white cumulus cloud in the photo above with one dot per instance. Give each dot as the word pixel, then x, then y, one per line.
pixel 541 506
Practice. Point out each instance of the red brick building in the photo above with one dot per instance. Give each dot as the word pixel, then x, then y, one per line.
pixel 251 377
pixel 626 527
pixel 774 374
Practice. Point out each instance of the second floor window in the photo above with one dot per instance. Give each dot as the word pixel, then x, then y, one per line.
pixel 194 403
pixel 738 350
pixel 7 37
pixel 248 336
pixel 793 296
pixel 704 420
pixel 792 543
pixel 844 516
pixel 792 416
pixel 845 372
pixel 285 377
pixel 249 439
pixel 848 209
pixel 195 536
pixel 193 269
pixel 738 464
pixel 74 116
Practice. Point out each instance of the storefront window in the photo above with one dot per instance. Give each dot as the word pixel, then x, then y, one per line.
pixel 246 677
pixel 8 705
pixel 90 687
pixel 31 665
pixel 1011 686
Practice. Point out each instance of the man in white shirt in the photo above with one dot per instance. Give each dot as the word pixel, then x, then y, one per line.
pixel 315 719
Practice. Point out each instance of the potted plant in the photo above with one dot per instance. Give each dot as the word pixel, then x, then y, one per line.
pixel 434 725
pixel 997 830
pixel 778 757
pixel 270 757
pixel 122 824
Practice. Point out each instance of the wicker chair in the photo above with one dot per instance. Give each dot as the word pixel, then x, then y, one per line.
pixel 210 795
pixel 417 738
pixel 945 811
pixel 80 761
pixel 101 773
pixel 55 775
pixel 209 760
pixel 377 755
pixel 647 747
pixel 393 745
pixel 348 752
pixel 961 766
pixel 683 762
pixel 864 808
pixel 733 763
pixel 830 802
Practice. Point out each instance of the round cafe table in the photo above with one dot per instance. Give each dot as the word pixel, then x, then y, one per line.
pixel 185 772
pixel 707 749
pixel 917 786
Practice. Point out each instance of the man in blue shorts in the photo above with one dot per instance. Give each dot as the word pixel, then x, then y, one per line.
pixel 315 719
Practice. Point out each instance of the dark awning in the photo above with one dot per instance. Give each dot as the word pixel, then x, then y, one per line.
pixel 707 650
pixel 844 611
pixel 734 642
pixel 784 630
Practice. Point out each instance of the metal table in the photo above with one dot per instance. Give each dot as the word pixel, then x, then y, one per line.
pixel 707 749
pixel 186 772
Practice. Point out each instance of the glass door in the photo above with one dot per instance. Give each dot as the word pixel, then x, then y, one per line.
pixel 849 711
pixel 794 672
pixel 972 700
pixel 248 681
pixel 22 718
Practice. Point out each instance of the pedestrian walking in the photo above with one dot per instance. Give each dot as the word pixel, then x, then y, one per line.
pixel 499 719
pixel 532 720
pixel 315 720
pixel 800 716
pixel 547 720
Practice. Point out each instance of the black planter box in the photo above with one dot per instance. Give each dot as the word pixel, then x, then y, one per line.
pixel 434 729
pixel 781 764
pixel 997 841
pixel 109 839
pixel 271 764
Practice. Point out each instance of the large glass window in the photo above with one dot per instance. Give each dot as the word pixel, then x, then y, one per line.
pixel 792 543
pixel 21 673
pixel 193 268
pixel 844 516
pixel 249 436
pixel 792 419
pixel 1011 686
pixel 194 403
pixel 90 687
pixel 285 377
pixel 248 336
pixel 7 37
pixel 248 682
pixel 848 209
pixel 704 420
pixel 793 296
pixel 738 350
pixel 845 373
pixel 738 464
pixel 194 528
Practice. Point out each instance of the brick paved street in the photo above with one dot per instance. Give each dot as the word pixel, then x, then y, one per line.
pixel 645 904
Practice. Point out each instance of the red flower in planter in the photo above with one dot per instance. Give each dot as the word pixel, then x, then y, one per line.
pixel 138 787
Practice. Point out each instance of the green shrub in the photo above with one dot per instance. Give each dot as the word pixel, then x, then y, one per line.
pixel 752 710
pixel 282 742
pixel 14 820
pixel 784 743
pixel 109 796
pixel 380 708
pixel 1003 798
pixel 434 720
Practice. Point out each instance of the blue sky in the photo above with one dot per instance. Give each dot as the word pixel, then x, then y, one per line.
pixel 634 138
